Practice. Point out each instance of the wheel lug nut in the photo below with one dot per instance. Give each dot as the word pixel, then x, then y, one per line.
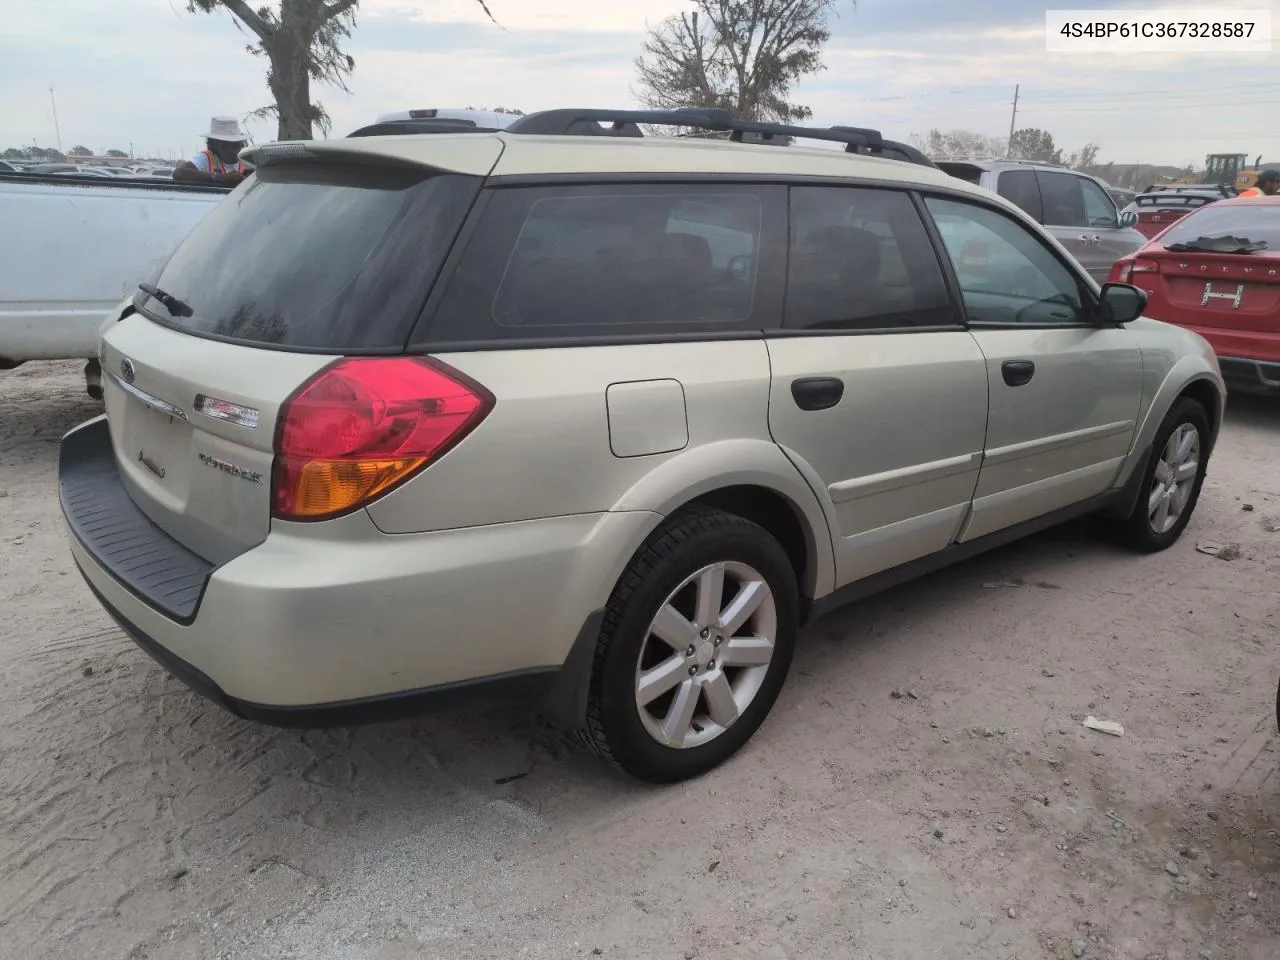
pixel 719 640
pixel 705 634
pixel 690 652
pixel 711 665
pixel 693 671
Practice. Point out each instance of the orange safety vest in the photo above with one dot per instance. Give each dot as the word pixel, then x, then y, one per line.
pixel 216 166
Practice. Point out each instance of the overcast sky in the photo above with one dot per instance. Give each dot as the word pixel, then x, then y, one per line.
pixel 147 73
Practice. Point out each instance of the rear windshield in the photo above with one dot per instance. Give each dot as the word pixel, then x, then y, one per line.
pixel 1259 222
pixel 316 257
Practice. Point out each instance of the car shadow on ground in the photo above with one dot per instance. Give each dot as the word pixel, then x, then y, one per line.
pixel 1253 411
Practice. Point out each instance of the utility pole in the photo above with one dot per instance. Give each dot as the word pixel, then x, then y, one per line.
pixel 1013 120
pixel 56 129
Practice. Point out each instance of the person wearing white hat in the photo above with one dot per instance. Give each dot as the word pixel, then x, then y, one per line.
pixel 219 161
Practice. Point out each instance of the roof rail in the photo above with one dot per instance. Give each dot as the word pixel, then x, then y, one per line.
pixel 626 123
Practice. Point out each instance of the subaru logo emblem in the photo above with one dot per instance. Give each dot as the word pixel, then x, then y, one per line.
pixel 126 370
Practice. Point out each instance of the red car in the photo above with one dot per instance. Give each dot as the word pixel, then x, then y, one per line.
pixel 1158 211
pixel 1217 271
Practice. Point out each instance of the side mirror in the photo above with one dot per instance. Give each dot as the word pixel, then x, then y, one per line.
pixel 1121 302
pixel 1128 219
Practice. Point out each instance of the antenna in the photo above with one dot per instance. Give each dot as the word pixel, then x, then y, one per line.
pixel 56 129
pixel 1013 120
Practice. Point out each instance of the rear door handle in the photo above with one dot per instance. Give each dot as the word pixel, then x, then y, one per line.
pixel 817 393
pixel 1017 372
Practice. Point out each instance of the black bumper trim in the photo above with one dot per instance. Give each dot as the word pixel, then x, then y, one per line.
pixel 144 559
pixel 1260 375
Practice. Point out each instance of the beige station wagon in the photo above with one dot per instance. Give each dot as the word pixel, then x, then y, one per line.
pixel 601 419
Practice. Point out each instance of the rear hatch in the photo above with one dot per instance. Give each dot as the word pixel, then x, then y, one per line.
pixel 326 251
pixel 1232 298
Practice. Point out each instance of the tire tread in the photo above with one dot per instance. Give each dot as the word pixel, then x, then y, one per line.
pixel 647 563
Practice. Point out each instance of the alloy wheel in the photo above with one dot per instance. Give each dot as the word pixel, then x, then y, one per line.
pixel 706 654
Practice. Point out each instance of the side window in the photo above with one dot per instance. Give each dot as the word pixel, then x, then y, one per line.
pixel 1063 200
pixel 1006 274
pixel 1098 207
pixel 861 259
pixel 1021 188
pixel 607 260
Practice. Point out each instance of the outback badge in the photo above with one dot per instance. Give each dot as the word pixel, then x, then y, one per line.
pixel 230 468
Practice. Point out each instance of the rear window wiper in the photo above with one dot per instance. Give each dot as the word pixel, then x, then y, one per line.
pixel 176 307
pixel 1219 245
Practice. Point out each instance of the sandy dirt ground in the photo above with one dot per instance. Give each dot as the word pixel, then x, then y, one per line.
pixel 924 788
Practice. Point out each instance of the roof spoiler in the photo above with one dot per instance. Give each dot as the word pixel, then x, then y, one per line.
pixel 626 123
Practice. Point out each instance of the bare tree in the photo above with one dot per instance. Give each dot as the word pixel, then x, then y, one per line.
pixel 741 55
pixel 1086 159
pixel 302 41
pixel 960 143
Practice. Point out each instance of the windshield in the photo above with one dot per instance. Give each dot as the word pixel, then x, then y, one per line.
pixel 1258 223
pixel 316 256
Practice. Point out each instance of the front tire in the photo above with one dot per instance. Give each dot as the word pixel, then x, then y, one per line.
pixel 1172 480
pixel 696 642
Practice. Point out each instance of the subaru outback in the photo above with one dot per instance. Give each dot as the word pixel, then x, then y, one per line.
pixel 601 419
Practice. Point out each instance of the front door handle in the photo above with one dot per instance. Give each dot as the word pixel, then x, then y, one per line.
pixel 1017 372
pixel 817 393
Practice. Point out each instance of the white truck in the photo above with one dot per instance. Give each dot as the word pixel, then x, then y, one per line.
pixel 72 248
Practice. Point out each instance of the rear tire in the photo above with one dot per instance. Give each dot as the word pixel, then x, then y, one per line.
pixel 1171 481
pixel 696 642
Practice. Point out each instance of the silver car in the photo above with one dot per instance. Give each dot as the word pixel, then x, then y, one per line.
pixel 1075 208
pixel 599 420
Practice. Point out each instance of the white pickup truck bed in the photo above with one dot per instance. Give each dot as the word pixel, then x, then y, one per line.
pixel 71 249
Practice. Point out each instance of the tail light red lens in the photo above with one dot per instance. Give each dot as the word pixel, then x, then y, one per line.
pixel 1126 269
pixel 363 426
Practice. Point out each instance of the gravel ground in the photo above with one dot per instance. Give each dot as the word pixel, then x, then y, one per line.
pixel 924 788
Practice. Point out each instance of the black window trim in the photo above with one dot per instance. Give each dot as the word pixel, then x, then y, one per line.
pixel 1088 296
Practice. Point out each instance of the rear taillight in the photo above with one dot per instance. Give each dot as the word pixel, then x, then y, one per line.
pixel 363 426
pixel 1127 268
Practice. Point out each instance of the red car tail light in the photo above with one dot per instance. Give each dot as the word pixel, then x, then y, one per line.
pixel 363 426
pixel 1127 268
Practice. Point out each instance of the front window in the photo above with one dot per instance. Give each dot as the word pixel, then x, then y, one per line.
pixel 1007 275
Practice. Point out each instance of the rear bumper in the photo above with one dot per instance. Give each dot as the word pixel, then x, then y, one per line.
pixel 336 623
pixel 1251 376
